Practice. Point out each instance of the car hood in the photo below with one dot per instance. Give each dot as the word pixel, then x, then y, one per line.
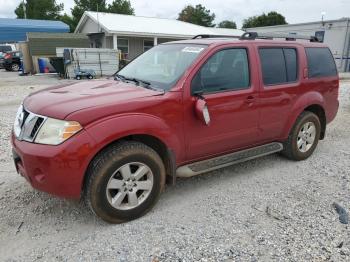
pixel 60 101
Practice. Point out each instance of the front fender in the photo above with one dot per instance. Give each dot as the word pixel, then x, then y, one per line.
pixel 304 101
pixel 108 130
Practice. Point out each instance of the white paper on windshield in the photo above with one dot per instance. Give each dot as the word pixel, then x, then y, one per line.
pixel 192 49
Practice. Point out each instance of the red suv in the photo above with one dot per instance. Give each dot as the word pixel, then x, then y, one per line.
pixel 180 109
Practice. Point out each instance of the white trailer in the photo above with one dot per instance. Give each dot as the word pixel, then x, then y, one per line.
pixel 104 62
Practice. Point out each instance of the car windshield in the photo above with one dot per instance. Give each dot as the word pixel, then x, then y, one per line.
pixel 162 66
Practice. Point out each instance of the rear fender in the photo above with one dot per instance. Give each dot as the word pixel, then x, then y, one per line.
pixel 304 101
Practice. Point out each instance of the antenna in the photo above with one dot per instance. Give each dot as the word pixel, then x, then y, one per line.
pixel 98 21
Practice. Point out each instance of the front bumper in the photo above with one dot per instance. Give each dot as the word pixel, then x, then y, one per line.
pixel 57 170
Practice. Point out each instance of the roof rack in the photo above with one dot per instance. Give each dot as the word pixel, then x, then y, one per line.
pixel 288 37
pixel 214 36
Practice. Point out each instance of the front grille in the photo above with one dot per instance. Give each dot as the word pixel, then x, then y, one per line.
pixel 25 115
pixel 31 125
pixel 36 127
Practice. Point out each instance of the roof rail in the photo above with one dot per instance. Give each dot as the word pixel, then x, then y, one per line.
pixel 288 37
pixel 214 36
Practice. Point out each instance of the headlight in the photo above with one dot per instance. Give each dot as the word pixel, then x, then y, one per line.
pixel 17 125
pixel 54 131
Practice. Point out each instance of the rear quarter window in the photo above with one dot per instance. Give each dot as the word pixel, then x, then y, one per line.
pixel 320 62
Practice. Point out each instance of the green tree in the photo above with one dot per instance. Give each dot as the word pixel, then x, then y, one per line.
pixel 198 15
pixel 86 5
pixel 272 18
pixel 40 9
pixel 69 21
pixel 117 6
pixel 121 7
pixel 227 24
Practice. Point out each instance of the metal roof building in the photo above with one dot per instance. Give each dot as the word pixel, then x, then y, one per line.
pixel 136 34
pixel 334 33
pixel 15 30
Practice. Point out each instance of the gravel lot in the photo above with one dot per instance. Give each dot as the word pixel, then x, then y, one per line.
pixel 269 209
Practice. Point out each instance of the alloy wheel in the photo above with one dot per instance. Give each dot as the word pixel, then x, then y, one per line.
pixel 129 186
pixel 306 137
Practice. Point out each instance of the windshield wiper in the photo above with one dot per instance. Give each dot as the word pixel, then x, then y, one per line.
pixel 135 80
pixel 121 77
pixel 139 82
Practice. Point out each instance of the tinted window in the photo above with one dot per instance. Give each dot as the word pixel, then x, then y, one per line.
pixel 273 66
pixel 320 62
pixel 279 65
pixel 290 56
pixel 226 70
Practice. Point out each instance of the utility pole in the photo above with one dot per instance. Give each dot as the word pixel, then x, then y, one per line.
pixel 323 14
pixel 24 9
pixel 98 22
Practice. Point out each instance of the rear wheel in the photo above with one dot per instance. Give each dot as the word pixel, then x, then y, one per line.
pixel 303 138
pixel 15 67
pixel 124 182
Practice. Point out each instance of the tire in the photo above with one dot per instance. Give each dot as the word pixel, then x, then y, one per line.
pixel 90 77
pixel 302 141
pixel 15 67
pixel 78 77
pixel 106 183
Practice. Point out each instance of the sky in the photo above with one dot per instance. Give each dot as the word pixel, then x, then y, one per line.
pixel 295 11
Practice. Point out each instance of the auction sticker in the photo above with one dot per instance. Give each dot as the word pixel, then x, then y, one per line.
pixel 192 49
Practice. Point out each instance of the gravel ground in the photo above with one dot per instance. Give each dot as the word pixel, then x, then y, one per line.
pixel 269 209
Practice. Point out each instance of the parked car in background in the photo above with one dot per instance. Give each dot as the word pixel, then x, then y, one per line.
pixel 12 61
pixel 178 110
pixel 3 50
pixel 88 73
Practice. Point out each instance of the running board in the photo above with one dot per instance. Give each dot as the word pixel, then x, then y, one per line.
pixel 227 160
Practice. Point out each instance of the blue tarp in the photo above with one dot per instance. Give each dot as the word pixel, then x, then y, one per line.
pixel 14 30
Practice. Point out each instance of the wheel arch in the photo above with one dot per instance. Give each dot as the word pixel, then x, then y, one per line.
pixel 320 112
pixel 313 102
pixel 166 154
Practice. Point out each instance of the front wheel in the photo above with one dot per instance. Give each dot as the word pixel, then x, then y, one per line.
pixel 124 182
pixel 303 138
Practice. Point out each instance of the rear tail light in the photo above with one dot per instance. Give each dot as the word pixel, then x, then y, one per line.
pixel 7 56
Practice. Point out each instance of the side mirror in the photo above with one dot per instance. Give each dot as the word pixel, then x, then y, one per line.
pixel 202 111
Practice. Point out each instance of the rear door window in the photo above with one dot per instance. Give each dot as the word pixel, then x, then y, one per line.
pixel 279 65
pixel 320 62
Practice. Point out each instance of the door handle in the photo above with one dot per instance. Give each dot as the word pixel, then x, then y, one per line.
pixel 250 99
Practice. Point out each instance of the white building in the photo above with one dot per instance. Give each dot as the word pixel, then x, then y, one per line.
pixel 135 34
pixel 334 33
